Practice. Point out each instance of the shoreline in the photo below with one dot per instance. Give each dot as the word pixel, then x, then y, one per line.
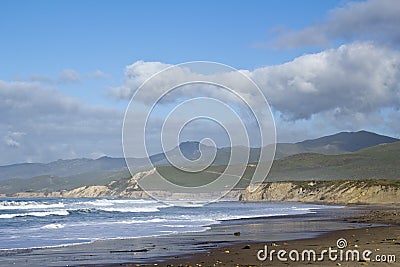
pixel 383 241
pixel 376 228
pixel 210 247
pixel 380 240
pixel 151 249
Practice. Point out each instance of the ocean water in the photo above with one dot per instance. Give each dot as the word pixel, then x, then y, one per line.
pixel 29 223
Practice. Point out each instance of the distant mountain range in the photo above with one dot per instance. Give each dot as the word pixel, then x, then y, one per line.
pixel 340 143
pixel 336 144
pixel 62 167
pixel 375 162
pixel 67 174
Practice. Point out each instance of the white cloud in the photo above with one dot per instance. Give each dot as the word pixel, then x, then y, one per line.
pixel 98 74
pixel 69 75
pixel 353 87
pixel 135 75
pixel 361 77
pixel 376 20
pixel 338 89
pixel 46 125
pixel 11 139
pixel 140 71
pixel 11 142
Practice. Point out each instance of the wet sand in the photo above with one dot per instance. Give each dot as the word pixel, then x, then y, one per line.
pixel 382 241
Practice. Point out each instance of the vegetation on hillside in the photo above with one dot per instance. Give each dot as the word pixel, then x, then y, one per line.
pixel 381 162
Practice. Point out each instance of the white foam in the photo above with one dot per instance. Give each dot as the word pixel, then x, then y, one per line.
pixel 27 205
pixel 112 202
pixel 154 220
pixel 238 217
pixel 118 205
pixel 35 213
pixel 53 226
pixel 131 209
pixel 179 225
pixel 83 224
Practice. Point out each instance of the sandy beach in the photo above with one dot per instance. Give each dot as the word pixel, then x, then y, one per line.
pixel 382 241
pixel 237 242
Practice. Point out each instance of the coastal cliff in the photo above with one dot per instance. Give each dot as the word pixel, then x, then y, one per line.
pixel 332 192
pixel 325 192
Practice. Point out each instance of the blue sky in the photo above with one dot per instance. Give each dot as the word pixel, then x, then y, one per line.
pixel 46 37
pixel 79 51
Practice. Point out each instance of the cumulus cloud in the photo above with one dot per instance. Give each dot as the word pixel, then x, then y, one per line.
pixel 361 77
pixel 376 20
pixel 135 75
pixel 40 124
pixel 165 88
pixel 355 86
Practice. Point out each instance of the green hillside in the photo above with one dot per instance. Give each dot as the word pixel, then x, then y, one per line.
pixel 378 162
pixel 48 183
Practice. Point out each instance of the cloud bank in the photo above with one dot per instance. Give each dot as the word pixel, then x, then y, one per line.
pixel 354 78
pixel 355 86
pixel 377 20
pixel 352 87
pixel 39 124
pixel 358 78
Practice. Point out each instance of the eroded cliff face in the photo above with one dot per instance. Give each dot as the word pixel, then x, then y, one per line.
pixel 333 192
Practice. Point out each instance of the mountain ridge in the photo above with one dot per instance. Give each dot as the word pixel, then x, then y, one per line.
pixel 377 163
pixel 346 140
pixel 339 143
